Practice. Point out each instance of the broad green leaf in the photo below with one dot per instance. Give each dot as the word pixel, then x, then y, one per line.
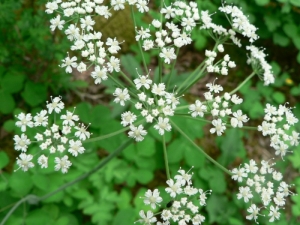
pixel 35 217
pixel 4 160
pixel 295 2
pixel 34 93
pixel 176 150
pixel 217 182
pixel 290 30
pixel 131 66
pixel 262 2
pixel 272 22
pixel 100 116
pixel 295 159
pixel 64 220
pixel 295 90
pixel 9 125
pixel 280 39
pixel 144 176
pixel 146 147
pixel 21 183
pixel 84 111
pixel 123 215
pixel 52 210
pixel 126 197
pixel 41 181
pixel 278 97
pixel 193 156
pixel 7 103
pixel 12 82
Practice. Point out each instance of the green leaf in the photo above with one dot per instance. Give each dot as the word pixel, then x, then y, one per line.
pixel 41 181
pixel 275 68
pixel 176 150
pixel 146 147
pixel 35 217
pixel 262 2
pixel 272 22
pixel 193 156
pixel 127 215
pixel 217 182
pixel 144 176
pixel 130 65
pixel 295 159
pixel 298 57
pixel 12 82
pixel 290 30
pixel 34 93
pixel 7 103
pixel 295 2
pixel 64 220
pixel 21 183
pixel 4 160
pixel 295 90
pixel 84 112
pixel 280 39
pixel 278 97
pixel 9 125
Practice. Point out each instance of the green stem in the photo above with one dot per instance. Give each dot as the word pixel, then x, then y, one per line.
pixel 99 166
pixel 121 85
pixel 166 158
pixel 139 43
pixel 243 83
pixel 107 135
pixel 126 78
pixel 172 69
pixel 201 150
pixel 160 64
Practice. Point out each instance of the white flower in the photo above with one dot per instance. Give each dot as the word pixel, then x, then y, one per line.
pixel 253 210
pixel 142 34
pixel 245 193
pixel 99 74
pixel 43 161
pixel 21 143
pixel 238 119
pixel 62 164
pixel 238 174
pixel 24 161
pixel 113 64
pixel 147 219
pixel 168 54
pixel 69 63
pixel 82 133
pixel 51 6
pixel 114 45
pixel 197 109
pixel 127 118
pixel 142 81
pixel 69 118
pixel 152 198
pixel 87 23
pixel 251 167
pixel 81 67
pixel 118 4
pixel 183 178
pixel 137 132
pixel 25 120
pixel 57 105
pixel 142 6
pixel 162 125
pixel 121 96
pixel 158 89
pixel 174 188
pixel 274 214
pixel 76 147
pixel 219 127
pixel 41 119
pixel 56 22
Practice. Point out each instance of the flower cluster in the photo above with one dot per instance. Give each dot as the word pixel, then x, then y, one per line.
pixel 219 107
pixel 184 205
pixel 274 120
pixel 171 34
pixel 220 67
pixel 57 138
pixel 262 183
pixel 85 40
pixel 154 103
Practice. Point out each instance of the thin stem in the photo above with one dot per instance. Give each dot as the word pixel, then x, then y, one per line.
pixel 172 69
pixel 160 64
pixel 99 166
pixel 201 150
pixel 139 43
pixel 243 83
pixel 166 158
pixel 126 78
pixel 13 209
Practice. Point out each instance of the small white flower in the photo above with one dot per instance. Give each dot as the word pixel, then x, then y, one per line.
pixel 274 214
pixel 82 133
pixel 219 127
pixel 43 161
pixel 253 210
pixel 245 193
pixel 238 119
pixel 142 81
pixel 24 120
pixel 57 105
pixel 162 125
pixel 41 119
pixel 197 109
pixel 127 118
pixel 158 89
pixel 69 118
pixel 137 133
pixel 21 143
pixel 75 147
pixel 121 96
pixel 62 164
pixel 238 174
pixel 168 55
pixel 24 161
pixel 69 63
pixel 152 198
pixel 174 188
pixel 56 22
pixel 147 219
pixel 99 74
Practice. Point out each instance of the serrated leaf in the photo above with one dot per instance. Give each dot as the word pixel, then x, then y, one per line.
pixel 7 103
pixel 34 93
pixel 146 147
pixel 4 160
pixel 144 176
